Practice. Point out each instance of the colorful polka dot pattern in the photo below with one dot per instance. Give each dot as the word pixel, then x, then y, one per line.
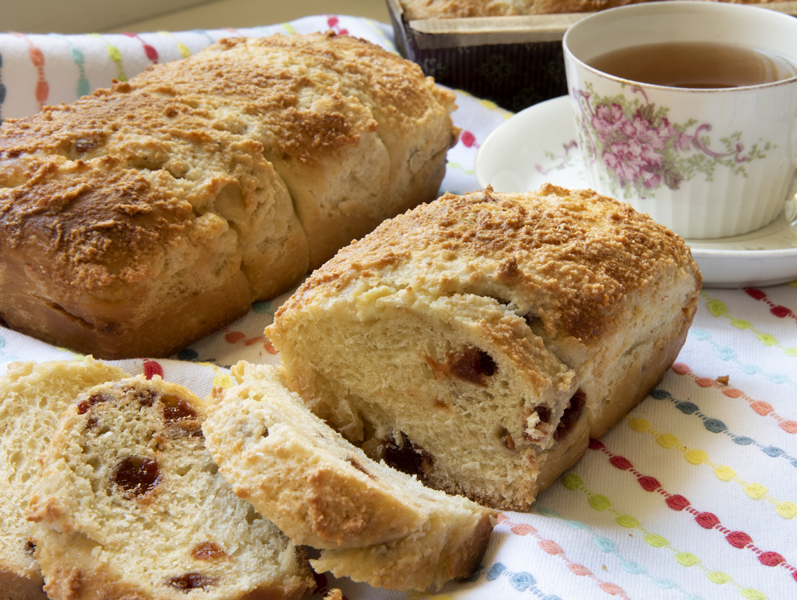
pixel 730 356
pixel 551 547
pixel 706 520
pixel 760 407
pixel 683 558
pixel 718 309
pixel 786 508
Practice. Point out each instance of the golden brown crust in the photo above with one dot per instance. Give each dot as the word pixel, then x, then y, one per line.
pixel 458 9
pixel 207 184
pixel 577 258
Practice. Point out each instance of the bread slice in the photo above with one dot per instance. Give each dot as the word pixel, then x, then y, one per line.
pixel 480 340
pixel 371 522
pixel 32 399
pixel 129 504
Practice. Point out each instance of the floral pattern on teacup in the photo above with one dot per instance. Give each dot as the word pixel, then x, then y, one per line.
pixel 642 150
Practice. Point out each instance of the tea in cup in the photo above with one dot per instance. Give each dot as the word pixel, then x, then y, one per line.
pixel 686 110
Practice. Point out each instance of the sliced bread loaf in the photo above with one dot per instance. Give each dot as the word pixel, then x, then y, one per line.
pixel 129 504
pixel 32 399
pixel 371 522
pixel 478 341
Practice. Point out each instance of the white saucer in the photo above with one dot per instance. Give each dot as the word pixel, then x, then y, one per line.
pixel 538 145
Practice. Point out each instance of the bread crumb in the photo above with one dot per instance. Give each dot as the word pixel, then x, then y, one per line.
pixel 724 379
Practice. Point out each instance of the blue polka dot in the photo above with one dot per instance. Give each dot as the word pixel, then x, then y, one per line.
pixel 772 451
pixel 522 581
pixel 633 568
pixel 700 334
pixel 605 544
pixel 726 353
pixel 750 369
pixel 660 394
pixel 743 440
pixel 687 407
pixel 777 378
pixel 495 571
pixel 187 354
pixel 715 425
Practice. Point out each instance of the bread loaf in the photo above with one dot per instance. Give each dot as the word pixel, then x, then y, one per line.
pixel 458 9
pixel 129 504
pixel 32 399
pixel 145 216
pixel 371 522
pixel 479 341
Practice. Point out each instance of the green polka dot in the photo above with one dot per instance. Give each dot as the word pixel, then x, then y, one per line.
pixel 627 521
pixel 768 340
pixel 599 502
pixel 572 482
pixel 687 559
pixel 716 307
pixel 741 324
pixel 718 577
pixel 656 540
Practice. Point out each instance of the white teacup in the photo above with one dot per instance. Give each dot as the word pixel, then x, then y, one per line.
pixel 706 163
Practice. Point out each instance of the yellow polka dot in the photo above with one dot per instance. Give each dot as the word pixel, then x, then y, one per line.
pixel 752 594
pixel 639 424
pixel 224 381
pixel 687 559
pixel 718 577
pixel 627 521
pixel 488 104
pixel 667 440
pixel 787 510
pixel 724 472
pixel 755 490
pixel 656 540
pixel 696 457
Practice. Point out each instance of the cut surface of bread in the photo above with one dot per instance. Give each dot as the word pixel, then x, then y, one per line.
pixel 480 340
pixel 371 522
pixel 175 200
pixel 129 504
pixel 32 400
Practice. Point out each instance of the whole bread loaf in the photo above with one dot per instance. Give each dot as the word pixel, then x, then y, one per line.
pixel 459 9
pixel 32 399
pixel 478 341
pixel 372 523
pixel 128 504
pixel 147 215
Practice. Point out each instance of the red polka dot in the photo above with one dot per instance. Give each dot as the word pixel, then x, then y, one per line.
pixel 649 484
pixel 270 347
pixel 502 518
pixel 234 337
pixel 579 570
pixel 771 559
pixel 522 529
pixel 707 520
pixel 551 547
pixel 780 311
pixel 611 588
pixel 621 462
pixel 468 139
pixel 704 382
pixel 757 294
pixel 794 575
pixel 790 426
pixel 152 368
pixel 596 445
pixel 762 408
pixel 332 21
pixel 677 502
pixel 732 392
pixel 681 368
pixel 738 539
